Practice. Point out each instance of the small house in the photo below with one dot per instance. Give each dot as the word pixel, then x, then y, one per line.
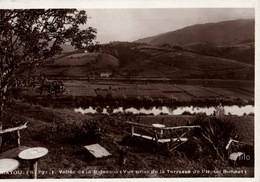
pixel 105 75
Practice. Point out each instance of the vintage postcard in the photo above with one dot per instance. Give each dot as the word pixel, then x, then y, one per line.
pixel 129 90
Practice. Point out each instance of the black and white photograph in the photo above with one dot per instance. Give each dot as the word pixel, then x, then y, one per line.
pixel 127 92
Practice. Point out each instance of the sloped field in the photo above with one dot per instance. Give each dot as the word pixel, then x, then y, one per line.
pixel 198 62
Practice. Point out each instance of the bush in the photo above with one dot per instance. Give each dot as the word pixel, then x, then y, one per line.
pixel 9 140
pixel 159 101
pixel 77 131
pixel 99 109
pixel 251 114
pixel 110 110
pixel 186 113
pixel 99 97
pixel 109 97
pixel 148 100
pixel 215 131
pixel 92 132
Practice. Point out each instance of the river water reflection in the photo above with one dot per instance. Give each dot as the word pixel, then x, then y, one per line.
pixel 233 110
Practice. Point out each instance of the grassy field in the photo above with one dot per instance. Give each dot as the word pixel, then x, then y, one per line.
pixel 62 129
pixel 80 65
pixel 241 52
pixel 197 62
pixel 81 59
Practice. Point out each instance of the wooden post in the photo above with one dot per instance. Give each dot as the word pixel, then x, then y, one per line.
pixel 132 130
pixel 1 140
pixel 156 138
pixel 18 138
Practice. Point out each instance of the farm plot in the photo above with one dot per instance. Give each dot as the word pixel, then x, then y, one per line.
pixel 234 93
pixel 190 88
pixel 133 93
pixel 146 87
pixel 197 62
pixel 204 94
pixel 152 93
pixel 247 89
pixel 213 91
pixel 141 47
pixel 75 83
pixel 79 90
pixel 76 59
pixel 106 87
pixel 181 96
pixel 102 93
pixel 123 86
pixel 85 55
pixel 242 94
pixel 125 93
pixel 82 71
pixel 53 71
pixel 99 86
pixel 166 88
pixel 152 52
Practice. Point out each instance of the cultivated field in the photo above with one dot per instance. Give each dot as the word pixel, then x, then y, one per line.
pixel 143 91
pixel 183 92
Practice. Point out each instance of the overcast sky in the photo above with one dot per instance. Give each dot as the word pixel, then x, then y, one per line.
pixel 132 24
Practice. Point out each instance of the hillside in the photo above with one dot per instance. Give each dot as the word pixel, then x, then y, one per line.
pixel 78 64
pixel 232 40
pixel 227 32
pixel 142 60
pixel 244 52
pixel 126 60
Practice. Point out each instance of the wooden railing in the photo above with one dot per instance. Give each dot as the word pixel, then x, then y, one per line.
pixel 12 153
pixel 176 135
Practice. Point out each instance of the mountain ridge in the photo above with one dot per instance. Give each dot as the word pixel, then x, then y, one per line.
pixel 220 32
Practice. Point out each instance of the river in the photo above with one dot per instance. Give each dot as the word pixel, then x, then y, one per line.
pixel 233 110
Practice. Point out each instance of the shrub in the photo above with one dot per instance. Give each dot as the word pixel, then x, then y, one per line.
pixel 159 101
pixel 110 110
pixel 9 139
pixel 99 109
pixel 91 131
pixel 215 131
pixel 251 114
pixel 138 98
pixel 109 97
pixel 99 97
pixel 77 131
pixel 186 113
pixel 148 99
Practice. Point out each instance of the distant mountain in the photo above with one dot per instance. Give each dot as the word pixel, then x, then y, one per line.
pixel 226 32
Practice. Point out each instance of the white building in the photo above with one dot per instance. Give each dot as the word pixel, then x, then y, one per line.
pixel 105 75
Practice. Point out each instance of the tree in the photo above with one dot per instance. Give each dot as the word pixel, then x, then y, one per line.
pixel 31 38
